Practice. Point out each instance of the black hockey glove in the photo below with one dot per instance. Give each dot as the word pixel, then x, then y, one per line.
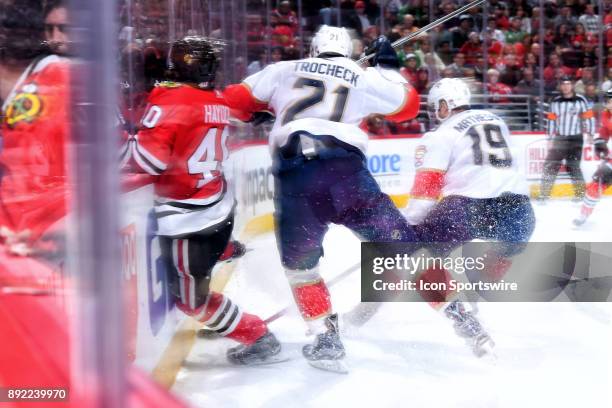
pixel 601 147
pixel 259 118
pixel 384 54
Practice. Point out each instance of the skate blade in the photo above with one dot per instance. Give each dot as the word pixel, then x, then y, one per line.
pixel 267 361
pixel 486 351
pixel 334 366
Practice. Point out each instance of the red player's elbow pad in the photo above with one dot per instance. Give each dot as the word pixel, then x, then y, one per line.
pixel 410 109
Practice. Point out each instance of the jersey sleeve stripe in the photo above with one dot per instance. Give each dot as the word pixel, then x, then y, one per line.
pixel 144 162
pixel 150 157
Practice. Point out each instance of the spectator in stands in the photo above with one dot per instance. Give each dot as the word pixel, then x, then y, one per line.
pixel 472 49
pixel 409 70
pixel 587 77
pixel 514 34
pixel 428 57
pixel 495 88
pixel 358 19
pixel 579 36
pixel 563 36
pixel 590 93
pixel 460 34
pixel 284 16
pixel 458 66
pixel 531 61
pixel 512 72
pixel 528 85
pixel 525 20
pixel 328 15
pixel 589 20
pixel 422 82
pixel 565 17
pixel 607 83
pixel 555 63
pixel 56 27
pixel 501 17
pixel 258 64
pixel 492 31
pixel 283 36
pixel 277 54
pixel 445 52
pixel 408 25
pixel 376 125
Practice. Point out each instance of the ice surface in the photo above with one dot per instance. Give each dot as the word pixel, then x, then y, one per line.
pixel 549 354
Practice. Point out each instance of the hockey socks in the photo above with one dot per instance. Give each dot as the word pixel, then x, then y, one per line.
pixel 311 296
pixel 224 317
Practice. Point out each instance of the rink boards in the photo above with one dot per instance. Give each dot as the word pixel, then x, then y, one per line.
pixel 160 337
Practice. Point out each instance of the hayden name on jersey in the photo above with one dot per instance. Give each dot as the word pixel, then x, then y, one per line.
pixel 183 140
pixel 467 155
pixel 325 96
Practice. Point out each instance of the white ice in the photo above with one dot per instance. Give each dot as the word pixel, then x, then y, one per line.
pixel 549 354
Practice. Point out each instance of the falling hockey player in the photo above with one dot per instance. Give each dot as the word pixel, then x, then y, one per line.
pixel 319 164
pixel 467 161
pixel 602 178
pixel 183 141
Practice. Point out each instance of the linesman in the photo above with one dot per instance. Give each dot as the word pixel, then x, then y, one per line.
pixel 569 120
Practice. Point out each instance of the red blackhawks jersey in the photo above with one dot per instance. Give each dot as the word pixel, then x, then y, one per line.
pixel 182 139
pixel 35 131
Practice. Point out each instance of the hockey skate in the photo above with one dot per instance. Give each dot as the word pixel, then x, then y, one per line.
pixel 468 327
pixel 579 221
pixel 327 351
pixel 264 351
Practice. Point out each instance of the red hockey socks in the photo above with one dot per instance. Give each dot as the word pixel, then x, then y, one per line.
pixel 310 293
pixel 226 318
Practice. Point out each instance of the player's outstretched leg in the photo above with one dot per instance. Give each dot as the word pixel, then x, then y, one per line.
pixel 224 317
pixel 601 180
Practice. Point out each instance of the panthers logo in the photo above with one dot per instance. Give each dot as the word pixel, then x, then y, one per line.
pixel 26 106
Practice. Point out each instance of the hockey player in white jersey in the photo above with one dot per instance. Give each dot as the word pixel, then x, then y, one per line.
pixel 467 162
pixel 321 176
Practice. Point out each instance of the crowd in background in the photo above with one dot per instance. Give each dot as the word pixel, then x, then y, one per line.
pixel 496 47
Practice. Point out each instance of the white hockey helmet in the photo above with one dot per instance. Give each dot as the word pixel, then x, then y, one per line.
pixel 331 39
pixel 453 91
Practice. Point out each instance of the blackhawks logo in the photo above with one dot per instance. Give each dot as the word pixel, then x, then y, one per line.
pixel 25 107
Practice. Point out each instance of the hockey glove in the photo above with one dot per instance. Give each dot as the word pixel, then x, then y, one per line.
pixel 601 147
pixel 384 54
pixel 259 118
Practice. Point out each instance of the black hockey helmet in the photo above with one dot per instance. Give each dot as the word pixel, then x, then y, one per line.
pixel 21 29
pixel 194 59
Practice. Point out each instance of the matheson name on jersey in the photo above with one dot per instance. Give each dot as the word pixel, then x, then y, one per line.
pixel 323 68
pixel 216 114
pixel 470 121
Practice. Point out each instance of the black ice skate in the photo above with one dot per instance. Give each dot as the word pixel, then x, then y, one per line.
pixel 467 326
pixel 264 351
pixel 327 351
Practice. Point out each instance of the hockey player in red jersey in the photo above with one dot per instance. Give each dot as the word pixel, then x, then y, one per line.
pixel 34 128
pixel 602 178
pixel 182 140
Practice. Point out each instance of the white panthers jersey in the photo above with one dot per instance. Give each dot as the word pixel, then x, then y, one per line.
pixel 473 149
pixel 328 96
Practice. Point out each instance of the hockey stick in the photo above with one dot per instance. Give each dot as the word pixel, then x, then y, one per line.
pixel 428 27
pixel 331 283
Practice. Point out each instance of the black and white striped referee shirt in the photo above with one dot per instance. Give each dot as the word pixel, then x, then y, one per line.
pixel 570 117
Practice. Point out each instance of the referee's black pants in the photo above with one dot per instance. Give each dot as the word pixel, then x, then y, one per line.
pixel 568 148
